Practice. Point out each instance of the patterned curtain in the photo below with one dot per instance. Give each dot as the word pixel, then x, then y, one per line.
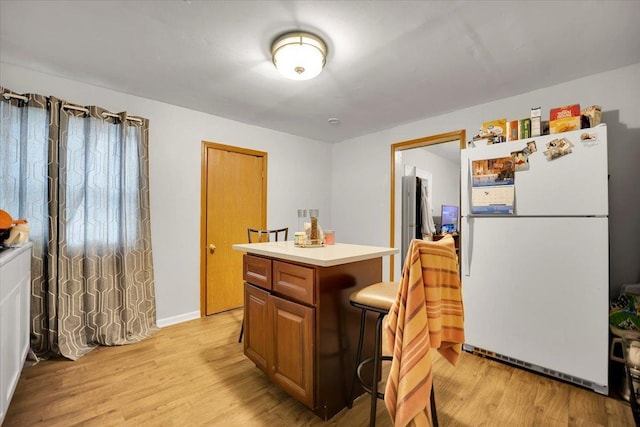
pixel 26 126
pixel 92 268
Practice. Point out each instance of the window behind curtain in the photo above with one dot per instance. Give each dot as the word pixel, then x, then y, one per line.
pixel 24 132
pixel 102 176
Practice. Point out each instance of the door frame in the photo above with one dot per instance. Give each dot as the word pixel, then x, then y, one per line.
pixel 203 207
pixel 459 135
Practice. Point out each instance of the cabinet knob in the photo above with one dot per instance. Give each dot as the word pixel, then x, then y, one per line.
pixel 212 248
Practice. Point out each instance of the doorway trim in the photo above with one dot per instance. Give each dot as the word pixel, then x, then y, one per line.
pixel 408 145
pixel 203 206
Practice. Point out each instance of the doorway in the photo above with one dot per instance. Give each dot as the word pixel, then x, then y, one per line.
pixel 233 198
pixel 396 149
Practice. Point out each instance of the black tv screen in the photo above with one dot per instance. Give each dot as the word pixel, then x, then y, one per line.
pixel 449 219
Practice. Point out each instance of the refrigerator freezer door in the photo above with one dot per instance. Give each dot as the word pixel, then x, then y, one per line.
pixel 408 211
pixel 538 291
pixel 575 184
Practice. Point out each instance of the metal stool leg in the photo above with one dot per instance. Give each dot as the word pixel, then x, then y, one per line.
pixel 363 318
pixel 241 330
pixel 377 368
pixel 434 414
pixel 370 386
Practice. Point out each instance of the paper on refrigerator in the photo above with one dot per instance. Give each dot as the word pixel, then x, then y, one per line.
pixel 493 186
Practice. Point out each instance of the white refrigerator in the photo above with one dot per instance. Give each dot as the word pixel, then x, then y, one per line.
pixel 535 276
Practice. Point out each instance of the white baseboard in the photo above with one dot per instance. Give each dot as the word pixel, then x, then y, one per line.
pixel 178 319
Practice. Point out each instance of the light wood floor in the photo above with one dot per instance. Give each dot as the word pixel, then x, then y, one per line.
pixel 195 374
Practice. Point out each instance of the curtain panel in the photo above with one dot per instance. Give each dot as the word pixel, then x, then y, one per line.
pixel 79 175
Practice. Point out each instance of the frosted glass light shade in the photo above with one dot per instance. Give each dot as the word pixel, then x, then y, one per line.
pixel 299 55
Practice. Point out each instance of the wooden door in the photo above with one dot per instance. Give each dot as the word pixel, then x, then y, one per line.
pixel 292 354
pixel 234 198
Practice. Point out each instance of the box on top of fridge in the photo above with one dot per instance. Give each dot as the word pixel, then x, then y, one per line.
pixel 496 127
pixel 563 112
pixel 564 124
pixel 594 114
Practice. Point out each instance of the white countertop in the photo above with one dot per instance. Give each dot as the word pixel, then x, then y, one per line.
pixel 7 254
pixel 326 256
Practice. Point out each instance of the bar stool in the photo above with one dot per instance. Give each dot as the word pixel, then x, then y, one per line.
pixel 377 298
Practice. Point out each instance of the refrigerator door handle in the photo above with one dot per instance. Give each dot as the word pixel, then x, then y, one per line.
pixel 467 245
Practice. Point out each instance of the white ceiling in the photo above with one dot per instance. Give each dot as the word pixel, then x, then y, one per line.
pixel 389 62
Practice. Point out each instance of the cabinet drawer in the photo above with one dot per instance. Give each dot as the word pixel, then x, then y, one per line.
pixel 257 271
pixel 294 281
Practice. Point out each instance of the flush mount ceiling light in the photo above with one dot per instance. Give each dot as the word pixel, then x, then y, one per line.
pixel 299 55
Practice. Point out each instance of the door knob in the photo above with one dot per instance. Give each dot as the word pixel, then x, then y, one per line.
pixel 212 248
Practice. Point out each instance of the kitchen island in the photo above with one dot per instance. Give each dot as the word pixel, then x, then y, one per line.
pixel 299 326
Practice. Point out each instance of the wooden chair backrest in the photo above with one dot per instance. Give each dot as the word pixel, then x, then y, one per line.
pixel 255 235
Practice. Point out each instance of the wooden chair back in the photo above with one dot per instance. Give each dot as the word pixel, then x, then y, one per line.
pixel 255 235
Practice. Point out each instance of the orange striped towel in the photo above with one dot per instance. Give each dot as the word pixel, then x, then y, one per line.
pixel 427 314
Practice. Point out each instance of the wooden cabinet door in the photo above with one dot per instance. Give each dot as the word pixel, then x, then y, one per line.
pixel 256 326
pixel 292 354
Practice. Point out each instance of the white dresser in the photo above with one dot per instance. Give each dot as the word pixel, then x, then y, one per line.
pixel 15 292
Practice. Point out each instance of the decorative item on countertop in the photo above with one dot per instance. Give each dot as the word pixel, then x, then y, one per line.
pixel 299 237
pixel 313 232
pixel 329 237
pixel 314 228
pixel 302 216
pixel 307 229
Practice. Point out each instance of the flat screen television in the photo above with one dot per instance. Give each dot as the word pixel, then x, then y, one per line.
pixel 449 219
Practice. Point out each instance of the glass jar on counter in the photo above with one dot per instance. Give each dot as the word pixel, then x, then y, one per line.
pixel 302 218
pixel 299 238
pixel 329 237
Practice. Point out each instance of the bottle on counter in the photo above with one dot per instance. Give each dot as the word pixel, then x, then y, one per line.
pixel 315 231
pixel 302 218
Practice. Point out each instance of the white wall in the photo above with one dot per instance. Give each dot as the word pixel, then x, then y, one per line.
pixel 617 92
pixel 176 136
pixel 352 189
pixel 446 176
